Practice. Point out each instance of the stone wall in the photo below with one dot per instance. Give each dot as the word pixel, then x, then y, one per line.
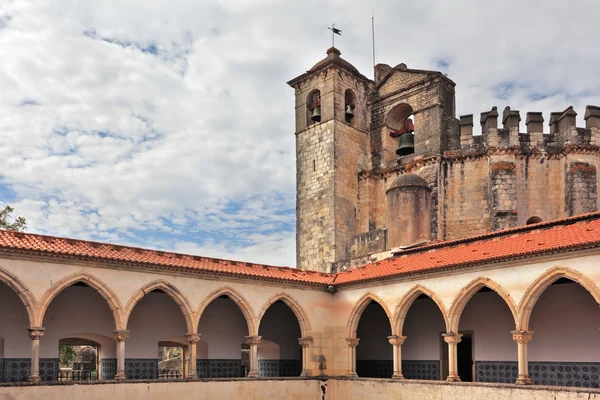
pixel 294 389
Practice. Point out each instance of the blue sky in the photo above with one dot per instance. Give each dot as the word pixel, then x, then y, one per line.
pixel 168 124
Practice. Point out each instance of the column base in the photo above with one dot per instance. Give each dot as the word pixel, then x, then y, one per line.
pixel 33 379
pixel 305 373
pixel 120 376
pixel 398 376
pixel 192 377
pixel 253 375
pixel 453 378
pixel 522 380
pixel 352 375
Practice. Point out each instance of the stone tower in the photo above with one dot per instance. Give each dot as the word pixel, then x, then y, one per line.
pixel 385 163
pixel 330 150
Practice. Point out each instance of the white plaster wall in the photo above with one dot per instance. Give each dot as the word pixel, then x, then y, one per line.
pixel 566 322
pixel 268 350
pixel 280 325
pixel 373 331
pixel 423 326
pixel 13 325
pixel 491 321
pixel 156 317
pixel 78 312
pixel 224 328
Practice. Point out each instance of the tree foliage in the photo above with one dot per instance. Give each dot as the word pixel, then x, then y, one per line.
pixel 66 355
pixel 19 224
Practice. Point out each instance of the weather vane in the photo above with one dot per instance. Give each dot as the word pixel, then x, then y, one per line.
pixel 334 31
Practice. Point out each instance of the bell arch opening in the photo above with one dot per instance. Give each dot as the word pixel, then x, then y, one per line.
pixel 401 125
pixel 349 105
pixel 313 107
pixel 533 220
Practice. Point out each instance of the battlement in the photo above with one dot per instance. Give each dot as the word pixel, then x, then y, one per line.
pixel 563 132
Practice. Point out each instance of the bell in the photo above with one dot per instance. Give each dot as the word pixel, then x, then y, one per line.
pixel 316 114
pixel 407 144
pixel 349 113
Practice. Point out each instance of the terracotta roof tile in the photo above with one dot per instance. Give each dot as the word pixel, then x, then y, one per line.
pixel 561 235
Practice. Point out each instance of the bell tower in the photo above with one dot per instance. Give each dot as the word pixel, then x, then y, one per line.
pixel 332 146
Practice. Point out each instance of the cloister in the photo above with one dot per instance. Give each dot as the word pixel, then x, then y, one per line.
pixel 519 306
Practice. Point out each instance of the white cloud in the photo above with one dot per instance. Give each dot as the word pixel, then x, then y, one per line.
pixel 162 123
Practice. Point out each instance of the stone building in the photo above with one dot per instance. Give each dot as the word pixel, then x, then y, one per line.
pixel 440 266
pixel 357 197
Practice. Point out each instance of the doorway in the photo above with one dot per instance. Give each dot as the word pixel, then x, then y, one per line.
pixel 465 355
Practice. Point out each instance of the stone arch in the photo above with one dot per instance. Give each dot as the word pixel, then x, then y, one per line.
pixel 181 301
pixel 359 308
pixel 111 298
pixel 237 299
pixel 24 294
pixel 408 300
pixel 538 287
pixel 397 114
pixel 468 291
pixel 294 306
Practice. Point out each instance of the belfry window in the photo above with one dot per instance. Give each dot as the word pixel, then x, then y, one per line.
pixel 349 104
pixel 313 107
pixel 400 122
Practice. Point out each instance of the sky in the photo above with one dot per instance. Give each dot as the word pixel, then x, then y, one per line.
pixel 169 124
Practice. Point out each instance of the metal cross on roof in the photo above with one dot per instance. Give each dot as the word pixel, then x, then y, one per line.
pixel 334 31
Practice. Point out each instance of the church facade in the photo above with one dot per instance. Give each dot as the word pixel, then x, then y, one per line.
pixel 419 260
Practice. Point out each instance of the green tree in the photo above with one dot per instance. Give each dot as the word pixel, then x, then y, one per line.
pixel 19 224
pixel 66 355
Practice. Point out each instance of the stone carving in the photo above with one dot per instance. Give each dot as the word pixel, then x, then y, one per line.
pixel 522 337
pixel 121 335
pixel 452 338
pixel 36 333
pixel 193 338
pixel 253 340
pixel 396 340
pixel 352 342
pixel 305 341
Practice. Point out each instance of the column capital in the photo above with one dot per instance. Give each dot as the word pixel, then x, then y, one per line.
pixel 396 340
pixel 522 337
pixel 253 340
pixel 452 338
pixel 121 335
pixel 193 338
pixel 352 342
pixel 305 341
pixel 36 333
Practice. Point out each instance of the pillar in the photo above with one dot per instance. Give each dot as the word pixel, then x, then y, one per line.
pixel 305 342
pixel 192 339
pixel 121 336
pixel 35 334
pixel 453 339
pixel 253 341
pixel 352 343
pixel 522 338
pixel 397 342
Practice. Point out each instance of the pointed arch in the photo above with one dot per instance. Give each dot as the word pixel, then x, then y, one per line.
pixel 463 297
pixel 294 306
pixel 408 300
pixel 25 295
pixel 111 298
pixel 237 299
pixel 181 301
pixel 360 307
pixel 537 288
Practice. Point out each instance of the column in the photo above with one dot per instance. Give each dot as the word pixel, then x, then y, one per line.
pixel 305 342
pixel 522 338
pixel 121 336
pixel 452 339
pixel 253 341
pixel 352 343
pixel 35 334
pixel 397 342
pixel 193 339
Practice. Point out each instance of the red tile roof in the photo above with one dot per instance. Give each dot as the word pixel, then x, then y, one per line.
pixel 546 237
pixel 64 248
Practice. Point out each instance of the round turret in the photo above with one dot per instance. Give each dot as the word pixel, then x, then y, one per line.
pixel 409 211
